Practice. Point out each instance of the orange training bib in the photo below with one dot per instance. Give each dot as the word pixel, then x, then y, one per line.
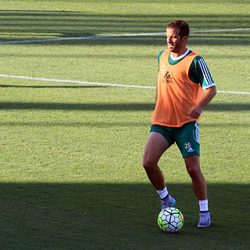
pixel 176 93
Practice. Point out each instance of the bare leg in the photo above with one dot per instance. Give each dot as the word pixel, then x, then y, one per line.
pixel 198 180
pixel 155 147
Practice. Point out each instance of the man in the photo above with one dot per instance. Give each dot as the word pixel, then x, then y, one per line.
pixel 184 88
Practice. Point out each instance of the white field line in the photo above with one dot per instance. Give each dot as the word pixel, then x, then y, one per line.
pixel 103 84
pixel 62 39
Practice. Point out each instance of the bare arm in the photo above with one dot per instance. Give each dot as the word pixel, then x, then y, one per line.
pixel 206 98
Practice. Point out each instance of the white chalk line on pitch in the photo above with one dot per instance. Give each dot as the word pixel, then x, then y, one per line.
pixel 62 39
pixel 104 84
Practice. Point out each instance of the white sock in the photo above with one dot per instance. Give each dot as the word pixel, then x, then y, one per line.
pixel 163 193
pixel 203 205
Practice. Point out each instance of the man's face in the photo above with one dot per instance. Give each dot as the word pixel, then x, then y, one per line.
pixel 174 41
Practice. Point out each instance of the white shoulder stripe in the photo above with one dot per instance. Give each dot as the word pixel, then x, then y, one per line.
pixel 205 71
pixel 208 86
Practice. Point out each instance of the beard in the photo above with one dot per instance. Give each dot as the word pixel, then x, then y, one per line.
pixel 174 47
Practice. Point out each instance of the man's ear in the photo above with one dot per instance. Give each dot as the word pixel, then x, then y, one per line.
pixel 184 38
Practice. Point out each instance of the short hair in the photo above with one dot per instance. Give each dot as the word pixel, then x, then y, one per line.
pixel 181 25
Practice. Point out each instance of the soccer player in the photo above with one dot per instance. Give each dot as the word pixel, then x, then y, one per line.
pixel 184 88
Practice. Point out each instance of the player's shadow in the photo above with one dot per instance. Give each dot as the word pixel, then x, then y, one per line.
pixel 116 216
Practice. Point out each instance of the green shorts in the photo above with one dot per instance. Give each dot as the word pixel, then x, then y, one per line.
pixel 186 137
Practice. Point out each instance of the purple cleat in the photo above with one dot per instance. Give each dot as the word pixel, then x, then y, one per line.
pixel 168 201
pixel 205 220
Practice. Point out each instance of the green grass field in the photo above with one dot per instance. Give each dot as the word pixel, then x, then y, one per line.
pixel 71 173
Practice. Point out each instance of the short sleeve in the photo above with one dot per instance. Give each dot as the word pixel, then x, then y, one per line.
pixel 201 73
pixel 159 56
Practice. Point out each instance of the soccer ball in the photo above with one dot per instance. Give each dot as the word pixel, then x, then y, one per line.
pixel 170 220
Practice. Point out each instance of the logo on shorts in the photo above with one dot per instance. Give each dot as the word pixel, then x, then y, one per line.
pixel 188 147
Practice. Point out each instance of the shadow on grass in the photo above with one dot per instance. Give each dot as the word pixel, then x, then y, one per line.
pixel 215 107
pixel 221 107
pixel 76 124
pixel 105 56
pixel 116 216
pixel 105 125
pixel 50 86
pixel 31 24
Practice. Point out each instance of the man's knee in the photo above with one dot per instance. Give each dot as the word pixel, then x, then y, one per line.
pixel 193 167
pixel 149 162
pixel 193 171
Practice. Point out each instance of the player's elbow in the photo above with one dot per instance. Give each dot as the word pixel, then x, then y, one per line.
pixel 212 91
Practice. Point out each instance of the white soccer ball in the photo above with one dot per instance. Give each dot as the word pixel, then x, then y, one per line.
pixel 170 220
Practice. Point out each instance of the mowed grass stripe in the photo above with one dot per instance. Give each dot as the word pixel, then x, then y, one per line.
pixel 104 84
pixel 115 36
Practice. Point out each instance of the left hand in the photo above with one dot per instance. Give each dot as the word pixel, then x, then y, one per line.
pixel 194 112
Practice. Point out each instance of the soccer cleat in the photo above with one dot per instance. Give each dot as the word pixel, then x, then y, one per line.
pixel 205 220
pixel 168 201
